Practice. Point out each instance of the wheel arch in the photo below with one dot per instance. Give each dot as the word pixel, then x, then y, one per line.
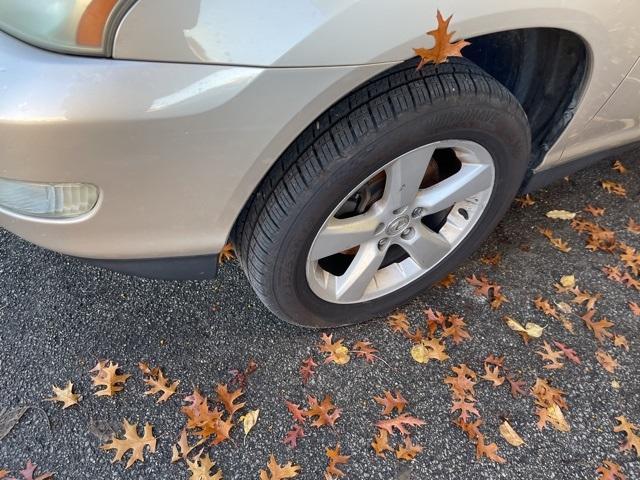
pixel 516 58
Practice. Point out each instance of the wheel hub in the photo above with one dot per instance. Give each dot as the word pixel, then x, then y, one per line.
pixel 393 241
pixel 397 226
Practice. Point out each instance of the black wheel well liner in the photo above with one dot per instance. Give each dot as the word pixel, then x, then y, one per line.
pixel 544 68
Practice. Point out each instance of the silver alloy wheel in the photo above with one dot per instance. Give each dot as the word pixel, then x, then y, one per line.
pixel 395 219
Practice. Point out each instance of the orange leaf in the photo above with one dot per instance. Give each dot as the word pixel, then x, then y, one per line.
pixel 408 451
pixel 295 411
pixel 390 403
pixel 293 435
pixel 108 377
pixel 307 369
pixel 610 471
pixel 279 472
pixel 399 423
pixel 326 412
pixel 380 443
pixel 335 459
pixel 443 48
pixel 228 398
pixel 336 352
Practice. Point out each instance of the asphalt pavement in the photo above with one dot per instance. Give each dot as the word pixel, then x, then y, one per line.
pixel 58 316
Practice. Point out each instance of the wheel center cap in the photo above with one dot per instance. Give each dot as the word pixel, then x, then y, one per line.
pixel 398 225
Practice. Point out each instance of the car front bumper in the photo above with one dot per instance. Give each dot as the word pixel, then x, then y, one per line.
pixel 174 149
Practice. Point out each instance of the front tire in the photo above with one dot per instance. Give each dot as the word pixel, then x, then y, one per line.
pixel 394 165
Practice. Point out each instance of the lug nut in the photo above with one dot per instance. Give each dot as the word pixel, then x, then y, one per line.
pixel 407 232
pixel 382 243
pixel 416 212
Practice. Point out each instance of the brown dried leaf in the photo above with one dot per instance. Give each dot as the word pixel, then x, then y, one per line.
pixel 399 423
pixel 614 188
pixel 279 472
pixel 408 450
pixel 380 443
pixel 363 349
pixel 326 412
pixel 398 322
pixel 526 201
pixel 633 440
pixel 493 375
pixel 65 396
pixel 227 253
pixel 607 361
pixel 293 435
pixel 133 442
pixel 595 211
pixel 335 459
pixel 107 376
pixel 335 352
pixel 391 403
pixel 160 384
pixel 228 398
pixel 446 282
pixel 200 468
pixel 510 435
pixel 443 48
pixel 610 471
pixel 307 369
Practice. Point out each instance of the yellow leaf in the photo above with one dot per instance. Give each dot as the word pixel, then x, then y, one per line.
pixel 568 281
pixel 249 420
pixel 561 215
pixel 531 329
pixel 510 435
pixel 559 422
pixel 419 353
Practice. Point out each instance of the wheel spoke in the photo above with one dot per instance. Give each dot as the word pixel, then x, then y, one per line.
pixel 471 179
pixel 426 247
pixel 344 233
pixel 351 286
pixel 404 177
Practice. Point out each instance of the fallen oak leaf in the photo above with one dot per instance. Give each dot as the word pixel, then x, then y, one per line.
pixel 490 451
pixel 517 386
pixel 633 227
pixel 228 398
pixel 493 260
pixel 456 329
pixel 65 396
pixel 621 341
pixel 568 352
pixel 607 361
pixel 160 384
pixel 595 211
pixel 399 423
pixel 466 409
pixel 307 369
pixel 610 471
pixel 446 282
pixel 293 435
pixel 619 167
pixel 335 459
pixel 632 440
pixel 326 412
pixel 182 448
pixel 133 442
pixel 295 410
pixel 200 468
pixel 398 322
pixel 493 375
pixel 391 403
pixel 510 435
pixel 380 443
pixel 226 254
pixel 598 328
pixel 408 450
pixel 364 349
pixel 635 308
pixel 432 349
pixel 548 354
pixel 526 201
pixel 28 472
pixel 443 48
pixel 279 472
pixel 336 352
pixel 107 376
pixel 614 188
pixel 560 244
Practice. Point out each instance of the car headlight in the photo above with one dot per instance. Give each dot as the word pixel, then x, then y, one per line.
pixel 71 26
